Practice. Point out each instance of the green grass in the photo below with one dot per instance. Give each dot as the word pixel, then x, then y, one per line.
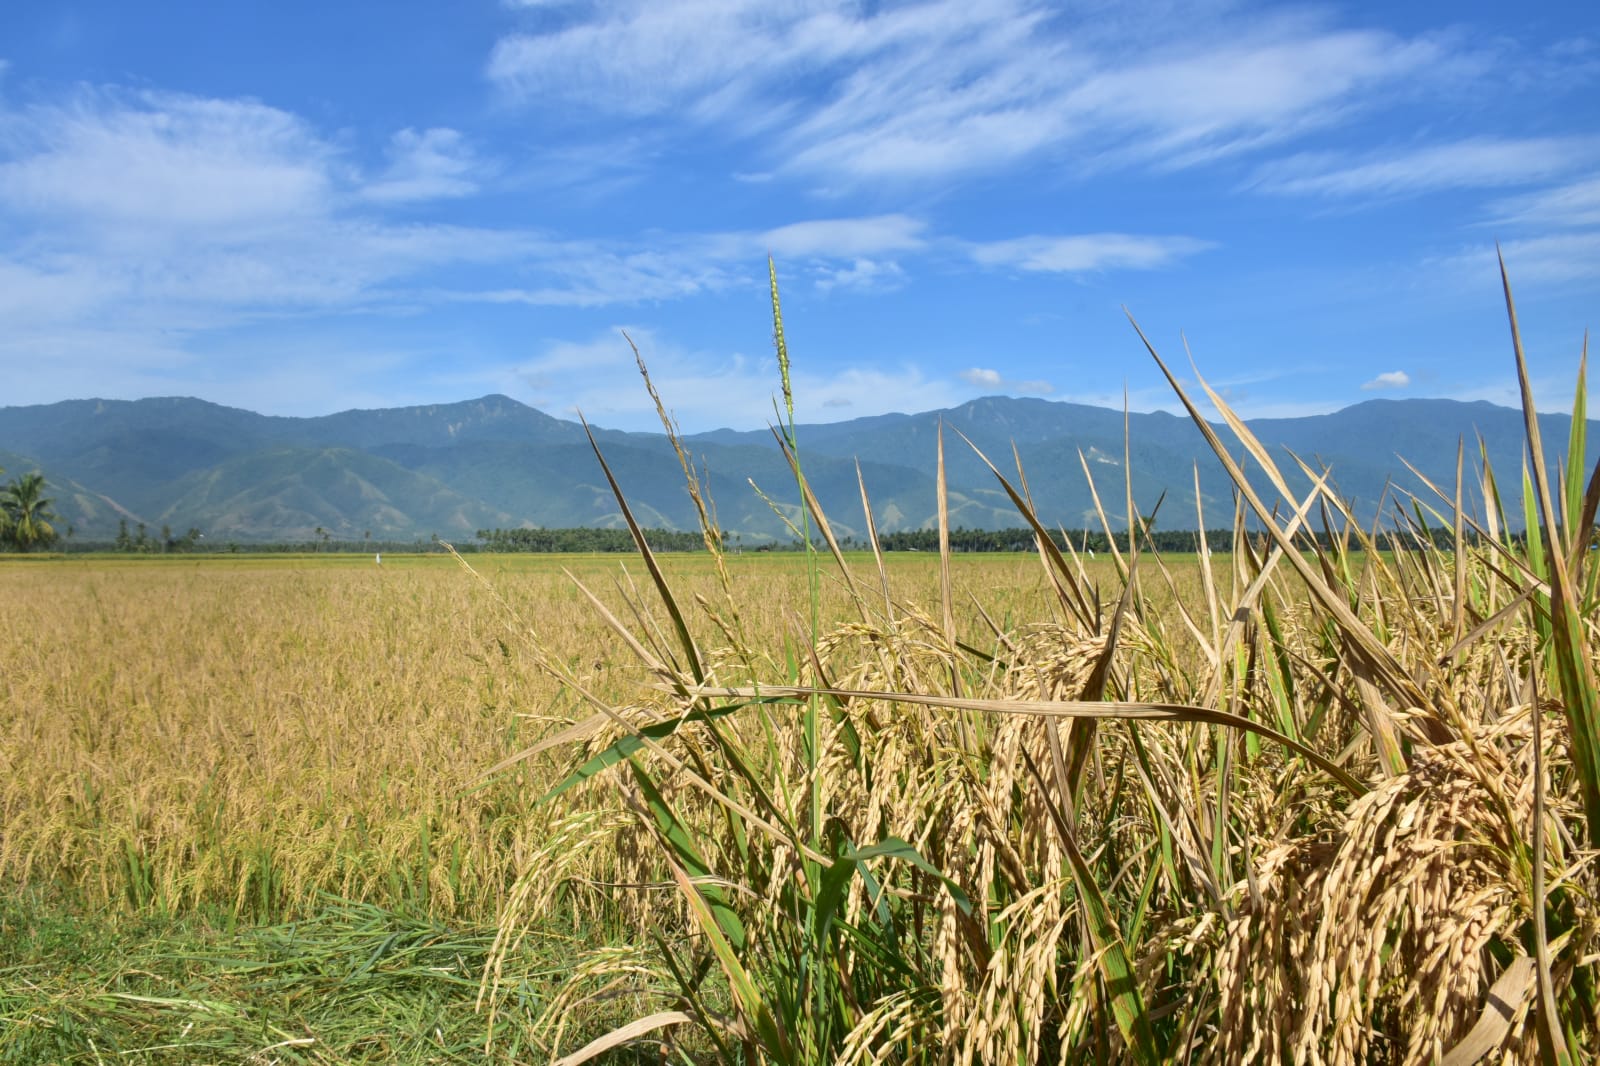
pixel 353 984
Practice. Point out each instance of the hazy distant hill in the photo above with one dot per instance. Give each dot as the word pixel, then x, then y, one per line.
pixel 450 469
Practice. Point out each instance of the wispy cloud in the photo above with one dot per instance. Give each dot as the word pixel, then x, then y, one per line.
pixel 1248 83
pixel 1392 379
pixel 841 237
pixel 163 161
pixel 705 388
pixel 202 213
pixel 992 380
pixel 1086 252
pixel 861 274
pixel 858 253
pixel 173 199
pixel 834 252
pixel 1564 206
pixel 1480 162
pixel 942 87
pixel 1555 258
pixel 426 165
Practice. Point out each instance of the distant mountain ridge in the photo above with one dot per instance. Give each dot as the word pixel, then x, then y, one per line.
pixel 451 469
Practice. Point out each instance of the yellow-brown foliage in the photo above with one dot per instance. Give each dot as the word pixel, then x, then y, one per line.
pixel 253 732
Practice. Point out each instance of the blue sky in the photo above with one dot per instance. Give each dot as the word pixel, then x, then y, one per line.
pixel 302 207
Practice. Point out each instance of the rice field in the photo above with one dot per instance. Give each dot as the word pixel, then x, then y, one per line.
pixel 1330 807
pixel 255 732
pixel 209 755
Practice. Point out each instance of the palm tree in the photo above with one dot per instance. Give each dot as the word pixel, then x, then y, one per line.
pixel 27 513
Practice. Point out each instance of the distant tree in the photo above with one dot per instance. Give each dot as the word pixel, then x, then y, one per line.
pixel 124 538
pixel 28 514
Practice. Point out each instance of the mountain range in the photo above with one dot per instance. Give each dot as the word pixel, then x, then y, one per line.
pixel 452 469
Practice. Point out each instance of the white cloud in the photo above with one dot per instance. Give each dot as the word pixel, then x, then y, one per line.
pixel 706 389
pixel 1548 259
pixel 1274 407
pixel 1557 257
pixel 994 381
pixel 873 275
pixel 836 253
pixel 1392 379
pixel 858 391
pixel 164 162
pixel 152 217
pixel 1246 85
pixel 1565 206
pixel 1086 252
pixel 55 292
pixel 429 165
pixel 597 274
pixel 1480 162
pixel 605 352
pixel 842 237
pixel 939 87
pixel 642 57
pixel 68 361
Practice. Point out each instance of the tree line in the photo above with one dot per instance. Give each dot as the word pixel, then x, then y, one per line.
pixel 143 542
pixel 911 540
pixel 27 523
pixel 1170 541
pixel 580 539
pixel 924 540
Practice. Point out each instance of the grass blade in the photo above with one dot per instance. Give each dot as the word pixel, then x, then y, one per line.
pixel 643 548
pixel 1111 954
pixel 1124 710
pixel 1574 665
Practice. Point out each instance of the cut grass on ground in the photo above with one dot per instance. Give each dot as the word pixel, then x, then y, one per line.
pixel 352 984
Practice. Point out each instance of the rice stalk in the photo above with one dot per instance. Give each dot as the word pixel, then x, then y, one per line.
pixel 1288 818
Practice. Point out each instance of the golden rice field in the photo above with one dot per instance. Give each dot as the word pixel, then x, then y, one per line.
pixel 269 742
pixel 1327 806
pixel 264 737
pixel 252 733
